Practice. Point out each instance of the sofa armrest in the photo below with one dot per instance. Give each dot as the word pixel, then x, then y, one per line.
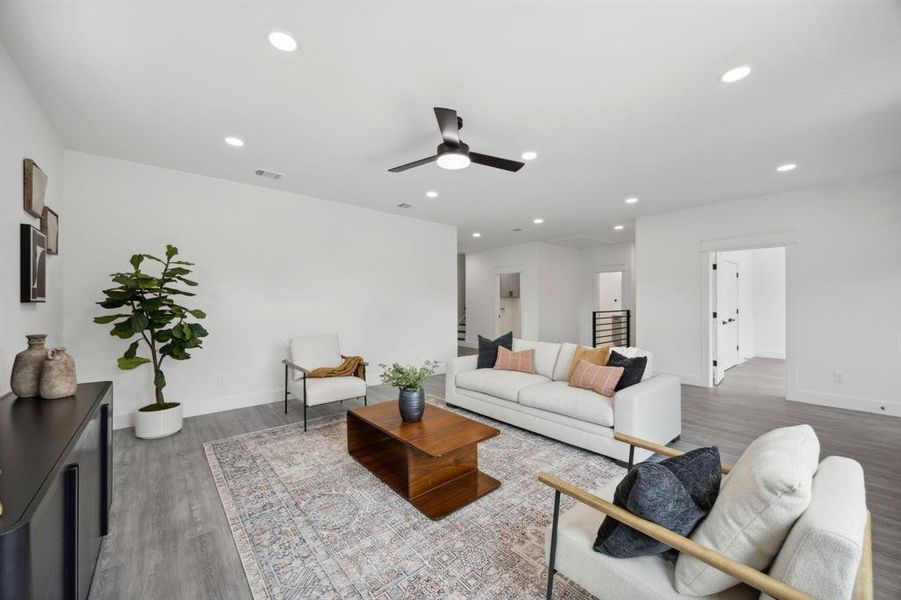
pixel 650 410
pixel 454 366
pixel 290 365
pixel 749 575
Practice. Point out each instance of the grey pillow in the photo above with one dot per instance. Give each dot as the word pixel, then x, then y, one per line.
pixel 676 493
pixel 488 350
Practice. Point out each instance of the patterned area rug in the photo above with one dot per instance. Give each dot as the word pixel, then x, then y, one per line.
pixel 311 522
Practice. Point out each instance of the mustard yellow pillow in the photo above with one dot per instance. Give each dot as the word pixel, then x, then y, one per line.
pixel 596 356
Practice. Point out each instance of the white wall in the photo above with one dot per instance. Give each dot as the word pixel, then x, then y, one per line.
pixel 483 289
pixel 850 228
pixel 26 133
pixel 615 257
pixel 271 265
pixel 768 281
pixel 558 292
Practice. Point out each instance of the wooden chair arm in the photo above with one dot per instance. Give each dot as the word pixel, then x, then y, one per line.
pixel 656 448
pixel 753 577
pixel 290 364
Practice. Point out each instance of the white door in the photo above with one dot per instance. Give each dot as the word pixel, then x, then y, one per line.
pixel 726 276
pixel 610 291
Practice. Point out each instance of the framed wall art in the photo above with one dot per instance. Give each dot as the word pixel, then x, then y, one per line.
pixel 33 264
pixel 35 186
pixel 50 228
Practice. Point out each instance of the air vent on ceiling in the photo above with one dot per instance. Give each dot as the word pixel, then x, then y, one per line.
pixel 268 174
pixel 405 205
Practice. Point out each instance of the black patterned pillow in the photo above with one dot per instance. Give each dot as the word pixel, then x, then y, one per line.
pixel 676 493
pixel 633 368
pixel 488 350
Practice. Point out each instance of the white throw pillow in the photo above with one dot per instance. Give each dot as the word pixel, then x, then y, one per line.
pixel 767 490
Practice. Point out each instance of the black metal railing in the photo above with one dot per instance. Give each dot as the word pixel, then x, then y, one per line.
pixel 611 328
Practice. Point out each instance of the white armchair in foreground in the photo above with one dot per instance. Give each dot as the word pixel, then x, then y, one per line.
pixel 306 354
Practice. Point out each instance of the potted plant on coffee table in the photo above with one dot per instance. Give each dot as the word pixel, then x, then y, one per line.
pixel 408 380
pixel 147 307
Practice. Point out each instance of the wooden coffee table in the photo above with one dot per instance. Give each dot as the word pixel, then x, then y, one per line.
pixel 434 463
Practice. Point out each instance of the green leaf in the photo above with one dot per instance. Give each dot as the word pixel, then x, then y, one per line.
pixel 136 260
pixel 198 330
pixel 150 305
pixel 176 271
pixel 181 262
pixel 171 251
pixel 107 319
pixel 127 281
pixel 139 322
pixel 119 294
pixel 186 281
pixel 187 332
pixel 177 333
pixel 123 329
pixel 178 292
pixel 159 380
pixel 132 351
pixel 163 336
pixel 197 313
pixel 127 364
pixel 112 303
pixel 152 257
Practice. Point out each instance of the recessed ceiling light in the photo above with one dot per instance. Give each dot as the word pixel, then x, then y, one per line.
pixel 476 234
pixel 283 41
pixel 538 221
pixel 529 155
pixel 453 161
pixel 631 200
pixel 234 141
pixel 786 167
pixel 431 194
pixel 736 74
pixel 618 227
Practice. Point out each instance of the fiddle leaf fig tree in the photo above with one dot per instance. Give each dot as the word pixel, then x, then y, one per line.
pixel 147 305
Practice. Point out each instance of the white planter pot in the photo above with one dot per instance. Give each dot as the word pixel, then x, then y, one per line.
pixel 158 423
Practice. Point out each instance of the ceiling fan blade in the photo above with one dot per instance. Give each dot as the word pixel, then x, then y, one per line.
pixel 497 163
pixel 415 163
pixel 449 125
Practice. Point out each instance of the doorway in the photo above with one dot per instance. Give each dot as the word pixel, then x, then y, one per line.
pixel 609 291
pixel 509 308
pixel 748 301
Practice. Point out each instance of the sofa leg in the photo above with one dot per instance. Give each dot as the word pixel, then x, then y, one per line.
pixel 365 400
pixel 553 555
pixel 305 404
pixel 631 457
pixel 286 389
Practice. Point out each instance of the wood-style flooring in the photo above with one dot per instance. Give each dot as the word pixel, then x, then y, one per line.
pixel 170 540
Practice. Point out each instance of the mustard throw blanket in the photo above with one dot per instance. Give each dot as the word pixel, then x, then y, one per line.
pixel 352 366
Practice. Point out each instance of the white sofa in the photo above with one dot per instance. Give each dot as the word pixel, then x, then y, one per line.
pixel 544 403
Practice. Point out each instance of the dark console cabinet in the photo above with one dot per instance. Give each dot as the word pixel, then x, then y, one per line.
pixel 56 488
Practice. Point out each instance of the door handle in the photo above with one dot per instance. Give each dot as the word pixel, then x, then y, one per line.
pixel 731 320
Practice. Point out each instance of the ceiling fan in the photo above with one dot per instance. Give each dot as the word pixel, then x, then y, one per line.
pixel 452 153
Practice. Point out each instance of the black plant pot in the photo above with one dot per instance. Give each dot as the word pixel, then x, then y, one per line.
pixel 412 405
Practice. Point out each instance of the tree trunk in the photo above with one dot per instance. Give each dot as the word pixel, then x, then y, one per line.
pixel 159 396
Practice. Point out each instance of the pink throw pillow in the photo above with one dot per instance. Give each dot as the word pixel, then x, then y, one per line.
pixel 599 379
pixel 507 360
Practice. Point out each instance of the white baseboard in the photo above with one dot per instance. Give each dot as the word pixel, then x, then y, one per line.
pixel 892 409
pixel 211 405
pixel 769 354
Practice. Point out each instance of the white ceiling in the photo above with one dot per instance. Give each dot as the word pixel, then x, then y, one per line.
pixel 618 99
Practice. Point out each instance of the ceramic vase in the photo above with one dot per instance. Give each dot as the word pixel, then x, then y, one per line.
pixel 58 375
pixel 411 404
pixel 26 376
pixel 158 423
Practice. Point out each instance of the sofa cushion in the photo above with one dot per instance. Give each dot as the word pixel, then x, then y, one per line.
pixel 522 361
pixel 675 493
pixel 488 349
pixel 633 369
pixel 822 553
pixel 602 380
pixel 321 390
pixel 558 397
pixel 632 352
pixel 767 490
pixel 545 355
pixel 503 384
pixel 640 578
pixel 564 360
pixel 595 356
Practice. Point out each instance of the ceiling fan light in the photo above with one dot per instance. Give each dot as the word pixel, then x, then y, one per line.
pixel 453 161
